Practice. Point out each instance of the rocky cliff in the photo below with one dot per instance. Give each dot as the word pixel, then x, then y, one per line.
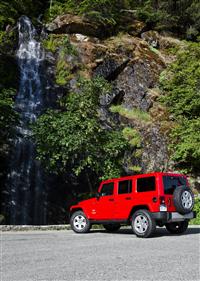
pixel 132 62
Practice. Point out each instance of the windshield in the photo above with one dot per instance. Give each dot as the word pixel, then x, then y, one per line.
pixel 171 182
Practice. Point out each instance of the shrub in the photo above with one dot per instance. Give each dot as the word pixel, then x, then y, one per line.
pixel 197 210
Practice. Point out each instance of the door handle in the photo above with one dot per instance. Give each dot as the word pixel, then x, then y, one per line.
pixel 128 198
pixel 111 199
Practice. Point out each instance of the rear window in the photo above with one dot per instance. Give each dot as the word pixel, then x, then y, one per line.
pixel 146 184
pixel 171 182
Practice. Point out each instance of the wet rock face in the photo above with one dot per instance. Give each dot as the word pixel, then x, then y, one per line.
pixel 132 68
pixel 72 24
pixel 155 154
pixel 134 81
pixel 110 68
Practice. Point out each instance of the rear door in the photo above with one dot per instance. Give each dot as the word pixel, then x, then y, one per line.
pixel 147 192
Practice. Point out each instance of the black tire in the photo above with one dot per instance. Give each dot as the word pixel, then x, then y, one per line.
pixel 143 224
pixel 177 227
pixel 112 227
pixel 183 199
pixel 79 222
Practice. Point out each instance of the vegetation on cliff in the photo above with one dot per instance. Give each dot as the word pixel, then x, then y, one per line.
pixel 181 88
pixel 74 138
pixel 181 16
pixel 7 119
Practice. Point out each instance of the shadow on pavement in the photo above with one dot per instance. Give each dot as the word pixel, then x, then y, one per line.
pixel 160 231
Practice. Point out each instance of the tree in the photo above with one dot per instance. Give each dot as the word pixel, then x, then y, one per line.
pixel 181 87
pixel 73 138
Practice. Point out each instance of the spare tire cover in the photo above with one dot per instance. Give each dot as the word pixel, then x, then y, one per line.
pixel 183 199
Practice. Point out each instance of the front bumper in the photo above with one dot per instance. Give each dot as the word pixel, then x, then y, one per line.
pixel 166 217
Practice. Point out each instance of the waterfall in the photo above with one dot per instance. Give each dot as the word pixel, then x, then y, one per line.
pixel 26 183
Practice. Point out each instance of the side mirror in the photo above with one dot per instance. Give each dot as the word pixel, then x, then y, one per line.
pixel 98 195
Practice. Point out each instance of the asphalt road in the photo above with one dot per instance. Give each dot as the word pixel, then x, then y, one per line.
pixel 64 255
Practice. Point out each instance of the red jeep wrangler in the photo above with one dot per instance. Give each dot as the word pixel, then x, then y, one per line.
pixel 142 201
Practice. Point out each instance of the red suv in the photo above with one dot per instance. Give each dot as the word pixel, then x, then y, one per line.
pixel 142 201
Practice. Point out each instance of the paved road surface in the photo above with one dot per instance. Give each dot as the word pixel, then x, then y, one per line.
pixel 64 255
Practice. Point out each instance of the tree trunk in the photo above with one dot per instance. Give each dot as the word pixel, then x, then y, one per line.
pixel 89 183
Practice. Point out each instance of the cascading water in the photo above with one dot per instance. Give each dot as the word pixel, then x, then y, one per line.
pixel 26 179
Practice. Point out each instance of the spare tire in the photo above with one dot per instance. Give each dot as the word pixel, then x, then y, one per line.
pixel 183 199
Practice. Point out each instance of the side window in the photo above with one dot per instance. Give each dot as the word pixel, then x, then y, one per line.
pixel 125 187
pixel 146 184
pixel 107 189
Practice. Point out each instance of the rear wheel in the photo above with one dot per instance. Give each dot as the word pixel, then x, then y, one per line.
pixel 79 222
pixel 143 224
pixel 177 227
pixel 112 227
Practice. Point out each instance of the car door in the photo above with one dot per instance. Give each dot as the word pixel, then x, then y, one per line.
pixel 123 199
pixel 104 207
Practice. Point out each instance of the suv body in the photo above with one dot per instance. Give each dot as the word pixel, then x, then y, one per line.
pixel 141 200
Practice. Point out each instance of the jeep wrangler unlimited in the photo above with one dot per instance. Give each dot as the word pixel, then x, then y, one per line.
pixel 142 201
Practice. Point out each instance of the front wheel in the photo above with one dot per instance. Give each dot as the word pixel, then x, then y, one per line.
pixel 112 227
pixel 79 222
pixel 143 224
pixel 177 227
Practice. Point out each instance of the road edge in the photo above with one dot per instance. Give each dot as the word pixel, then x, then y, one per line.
pixel 6 228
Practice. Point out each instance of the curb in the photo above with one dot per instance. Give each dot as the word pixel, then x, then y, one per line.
pixel 34 227
pixel 6 228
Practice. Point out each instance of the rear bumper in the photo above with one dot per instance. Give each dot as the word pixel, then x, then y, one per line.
pixel 172 216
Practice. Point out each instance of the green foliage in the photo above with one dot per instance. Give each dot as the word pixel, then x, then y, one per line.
pixel 7 41
pixel 148 14
pixel 181 88
pixel 134 139
pixel 65 65
pixel 180 16
pixel 134 113
pixel 182 83
pixel 7 116
pixel 100 11
pixel 11 10
pixel 197 210
pixel 52 43
pixel 73 138
pixel 185 144
pixel 63 74
pixel 132 136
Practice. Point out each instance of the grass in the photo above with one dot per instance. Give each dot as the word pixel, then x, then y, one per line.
pixel 134 114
